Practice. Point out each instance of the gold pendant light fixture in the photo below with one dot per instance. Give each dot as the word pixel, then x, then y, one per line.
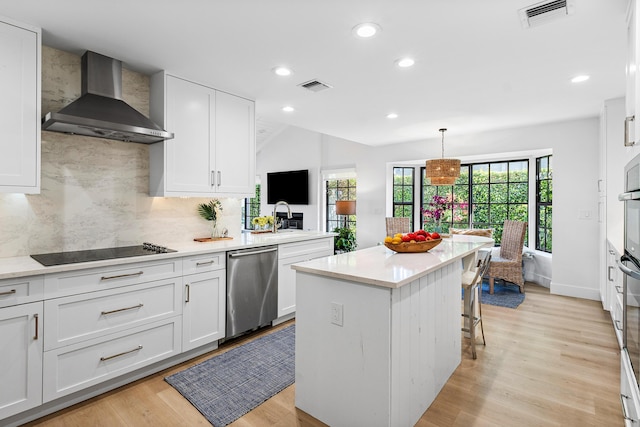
pixel 443 171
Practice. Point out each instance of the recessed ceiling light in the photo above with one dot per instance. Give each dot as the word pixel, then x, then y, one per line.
pixel 392 116
pixel 366 30
pixel 405 62
pixel 579 79
pixel 282 71
pixel 288 109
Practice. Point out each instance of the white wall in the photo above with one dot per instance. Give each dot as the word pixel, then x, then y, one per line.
pixel 575 150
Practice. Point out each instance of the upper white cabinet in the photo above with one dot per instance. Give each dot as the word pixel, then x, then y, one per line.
pixel 213 151
pixel 19 107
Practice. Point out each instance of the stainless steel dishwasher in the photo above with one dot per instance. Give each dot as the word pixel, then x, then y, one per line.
pixel 252 289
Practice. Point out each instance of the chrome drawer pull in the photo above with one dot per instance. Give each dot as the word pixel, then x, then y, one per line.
pixel 11 292
pixel 609 273
pixel 188 289
pixel 104 359
pixel 619 289
pixel 624 408
pixel 35 316
pixel 618 325
pixel 120 276
pixel 198 264
pixel 104 313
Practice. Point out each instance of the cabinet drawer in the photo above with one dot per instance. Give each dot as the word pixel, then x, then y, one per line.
pixel 21 290
pixel 616 317
pixel 203 263
pixel 72 368
pixel 317 247
pixel 80 317
pixel 629 394
pixel 97 279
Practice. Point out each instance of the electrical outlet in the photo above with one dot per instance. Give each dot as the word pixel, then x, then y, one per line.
pixel 336 313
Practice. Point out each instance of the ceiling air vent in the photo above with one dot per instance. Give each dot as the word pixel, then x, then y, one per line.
pixel 315 85
pixel 541 13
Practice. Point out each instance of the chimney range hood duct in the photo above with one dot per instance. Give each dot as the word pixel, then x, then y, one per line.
pixel 100 111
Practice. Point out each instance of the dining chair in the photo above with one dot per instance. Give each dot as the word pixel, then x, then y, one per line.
pixel 397 225
pixel 507 263
pixel 472 285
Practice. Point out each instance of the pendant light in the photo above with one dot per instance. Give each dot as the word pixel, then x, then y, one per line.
pixel 443 171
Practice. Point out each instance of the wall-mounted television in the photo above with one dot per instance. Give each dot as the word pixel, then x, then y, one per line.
pixel 289 186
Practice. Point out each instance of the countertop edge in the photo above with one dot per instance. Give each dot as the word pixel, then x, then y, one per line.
pixel 25 266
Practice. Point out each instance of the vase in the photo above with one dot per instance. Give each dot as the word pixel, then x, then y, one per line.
pixel 215 231
pixel 438 227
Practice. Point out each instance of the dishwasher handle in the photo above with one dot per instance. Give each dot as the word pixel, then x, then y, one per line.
pixel 247 253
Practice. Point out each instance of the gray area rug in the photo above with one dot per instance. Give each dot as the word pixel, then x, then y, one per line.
pixel 227 386
pixel 504 294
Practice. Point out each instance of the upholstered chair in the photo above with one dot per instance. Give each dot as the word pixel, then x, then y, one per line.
pixel 507 263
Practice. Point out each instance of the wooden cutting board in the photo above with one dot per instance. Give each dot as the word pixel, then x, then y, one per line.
pixel 211 239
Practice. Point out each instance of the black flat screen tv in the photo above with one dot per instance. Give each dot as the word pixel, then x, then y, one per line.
pixel 290 186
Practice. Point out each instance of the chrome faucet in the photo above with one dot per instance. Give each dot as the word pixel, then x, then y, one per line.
pixel 275 207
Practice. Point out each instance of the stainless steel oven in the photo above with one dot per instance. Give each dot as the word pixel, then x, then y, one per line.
pixel 629 263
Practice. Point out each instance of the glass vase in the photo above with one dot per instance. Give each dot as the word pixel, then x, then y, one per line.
pixel 215 231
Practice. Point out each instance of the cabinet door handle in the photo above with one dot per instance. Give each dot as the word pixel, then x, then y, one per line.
pixel 11 292
pixel 618 325
pixel 120 276
pixel 219 178
pixel 104 313
pixel 609 273
pixel 213 178
pixel 627 121
pixel 188 292
pixel 35 336
pixel 624 408
pixel 619 289
pixel 103 359
pixel 198 264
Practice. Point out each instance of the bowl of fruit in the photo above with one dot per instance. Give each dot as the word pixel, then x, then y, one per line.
pixel 418 241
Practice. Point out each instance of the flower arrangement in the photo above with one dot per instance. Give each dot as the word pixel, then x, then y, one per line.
pixel 210 211
pixel 439 206
pixel 262 221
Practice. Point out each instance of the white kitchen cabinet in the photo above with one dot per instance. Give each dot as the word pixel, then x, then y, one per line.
pixel 204 302
pixel 632 126
pixel 203 315
pixel 19 107
pixel 213 151
pixel 629 394
pixel 21 328
pixel 292 253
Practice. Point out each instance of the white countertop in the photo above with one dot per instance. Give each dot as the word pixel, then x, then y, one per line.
pixel 26 266
pixel 380 266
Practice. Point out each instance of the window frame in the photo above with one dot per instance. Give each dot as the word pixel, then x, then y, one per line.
pixel 403 204
pixel 546 231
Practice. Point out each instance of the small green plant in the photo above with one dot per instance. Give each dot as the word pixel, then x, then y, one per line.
pixel 210 211
pixel 345 241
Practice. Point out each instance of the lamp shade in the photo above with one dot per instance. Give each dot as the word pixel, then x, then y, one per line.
pixel 346 207
pixel 443 171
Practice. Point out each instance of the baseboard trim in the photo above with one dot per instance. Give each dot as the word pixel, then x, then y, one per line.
pixel 575 291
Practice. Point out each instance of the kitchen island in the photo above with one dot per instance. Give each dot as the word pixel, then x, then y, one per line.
pixel 378 333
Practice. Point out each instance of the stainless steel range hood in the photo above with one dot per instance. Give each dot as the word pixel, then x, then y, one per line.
pixel 100 110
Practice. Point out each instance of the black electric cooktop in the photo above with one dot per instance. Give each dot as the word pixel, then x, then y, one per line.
pixel 60 258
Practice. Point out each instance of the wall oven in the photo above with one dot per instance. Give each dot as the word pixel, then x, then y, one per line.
pixel 629 263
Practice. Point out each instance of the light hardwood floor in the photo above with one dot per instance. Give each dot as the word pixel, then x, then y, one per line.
pixel 554 361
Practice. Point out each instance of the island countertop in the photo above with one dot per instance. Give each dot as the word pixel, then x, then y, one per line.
pixel 383 267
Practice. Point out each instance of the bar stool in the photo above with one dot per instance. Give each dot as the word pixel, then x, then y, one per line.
pixel 472 285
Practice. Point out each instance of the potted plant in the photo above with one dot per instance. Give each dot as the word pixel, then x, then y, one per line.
pixel 345 241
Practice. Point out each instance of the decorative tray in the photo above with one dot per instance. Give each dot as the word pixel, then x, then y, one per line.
pixel 408 247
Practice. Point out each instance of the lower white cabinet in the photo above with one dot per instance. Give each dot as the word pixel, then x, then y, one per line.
pixel 292 253
pixel 20 358
pixel 203 314
pixel 78 366
pixel 629 394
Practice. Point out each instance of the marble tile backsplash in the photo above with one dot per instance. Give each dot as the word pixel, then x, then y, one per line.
pixel 94 192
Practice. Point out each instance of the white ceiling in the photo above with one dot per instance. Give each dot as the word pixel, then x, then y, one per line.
pixel 476 68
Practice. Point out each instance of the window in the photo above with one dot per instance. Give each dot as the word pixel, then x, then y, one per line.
pixel 251 209
pixel 544 197
pixel 403 188
pixel 339 189
pixel 495 191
